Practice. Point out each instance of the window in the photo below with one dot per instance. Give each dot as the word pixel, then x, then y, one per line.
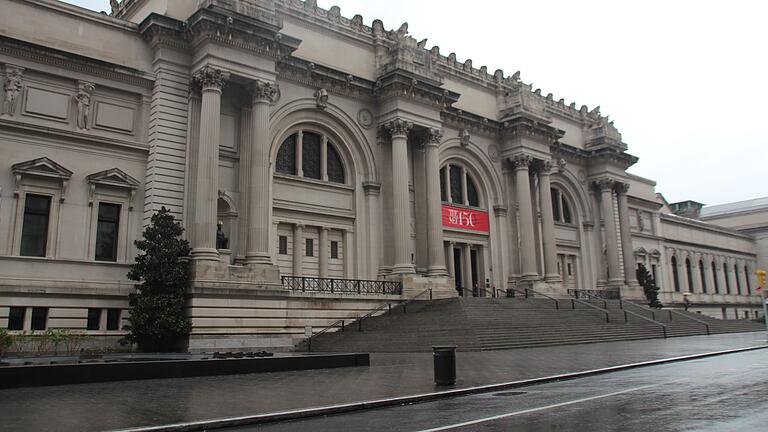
pixel 34 232
pixel 106 232
pixel 457 196
pixel 286 156
pixel 310 247
pixel 456 185
pixel 561 210
pixel 472 197
pixel 334 167
pixel 703 274
pixel 653 274
pixel 39 318
pixel 570 270
pixel 334 249
pixel 749 283
pixel 282 245
pixel 689 273
pixel 738 280
pixel 714 278
pixel 310 155
pixel 16 318
pixel 113 319
pixel 675 274
pixel 727 281
pixel 94 319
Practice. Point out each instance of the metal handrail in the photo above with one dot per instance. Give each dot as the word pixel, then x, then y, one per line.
pixel 557 302
pixel 672 311
pixel 653 320
pixel 356 317
pixel 341 285
pixel 607 318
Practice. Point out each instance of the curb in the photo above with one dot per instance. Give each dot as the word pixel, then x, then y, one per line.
pixel 379 403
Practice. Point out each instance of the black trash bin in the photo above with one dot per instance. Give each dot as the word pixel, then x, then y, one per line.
pixel 445 364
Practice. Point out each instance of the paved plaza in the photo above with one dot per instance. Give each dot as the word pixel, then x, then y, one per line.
pixel 108 406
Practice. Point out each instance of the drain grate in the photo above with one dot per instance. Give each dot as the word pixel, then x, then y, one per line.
pixel 510 393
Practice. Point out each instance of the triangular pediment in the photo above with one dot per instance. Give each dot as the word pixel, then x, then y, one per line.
pixel 43 167
pixel 113 177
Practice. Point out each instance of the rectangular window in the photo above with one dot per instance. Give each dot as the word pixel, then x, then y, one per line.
pixel 39 318
pixel 282 245
pixel 16 318
pixel 106 232
pixel 310 249
pixel 570 270
pixel 113 319
pixel 334 249
pixel 34 231
pixel 94 319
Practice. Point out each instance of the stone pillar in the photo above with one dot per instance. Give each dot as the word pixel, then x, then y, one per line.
pixel 449 257
pixel 298 249
pixel 436 266
pixel 323 259
pixel 547 224
pixel 722 277
pixel 467 269
pixel 626 235
pixel 349 263
pixel 211 82
pixel 464 193
pixel 244 182
pixel 324 158
pixel 513 245
pixel 398 130
pixel 193 143
pixel 696 275
pixel 611 240
pixel 526 231
pixel 259 208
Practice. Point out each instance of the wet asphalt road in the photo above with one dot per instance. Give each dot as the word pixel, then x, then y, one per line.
pixel 723 393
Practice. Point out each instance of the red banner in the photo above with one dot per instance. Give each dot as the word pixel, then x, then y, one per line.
pixel 459 217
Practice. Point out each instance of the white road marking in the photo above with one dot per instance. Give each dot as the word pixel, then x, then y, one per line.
pixel 512 414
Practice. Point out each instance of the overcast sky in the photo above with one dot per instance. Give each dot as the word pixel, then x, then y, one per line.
pixel 685 81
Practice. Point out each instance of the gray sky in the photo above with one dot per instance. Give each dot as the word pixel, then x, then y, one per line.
pixel 684 80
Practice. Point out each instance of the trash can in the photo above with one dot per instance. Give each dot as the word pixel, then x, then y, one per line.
pixel 510 292
pixel 445 364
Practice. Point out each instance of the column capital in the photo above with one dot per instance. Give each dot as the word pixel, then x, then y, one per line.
pixel 621 188
pixel 299 225
pixel 500 210
pixel 603 184
pixel 210 78
pixel 521 161
pixel 398 127
pixel 371 188
pixel 545 167
pixel 324 228
pixel 434 137
pixel 263 92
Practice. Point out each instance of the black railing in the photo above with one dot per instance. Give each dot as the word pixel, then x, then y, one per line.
pixel 594 294
pixel 341 286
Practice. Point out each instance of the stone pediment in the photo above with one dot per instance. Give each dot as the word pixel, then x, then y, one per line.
pixel 113 177
pixel 40 167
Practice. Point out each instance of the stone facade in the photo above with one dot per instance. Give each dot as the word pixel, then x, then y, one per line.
pixel 324 148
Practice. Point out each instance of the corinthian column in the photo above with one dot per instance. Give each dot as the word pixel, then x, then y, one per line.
pixel 398 130
pixel 626 235
pixel 605 186
pixel 257 252
pixel 547 224
pixel 436 265
pixel 527 246
pixel 211 82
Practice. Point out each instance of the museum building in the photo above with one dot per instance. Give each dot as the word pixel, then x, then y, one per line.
pixel 320 167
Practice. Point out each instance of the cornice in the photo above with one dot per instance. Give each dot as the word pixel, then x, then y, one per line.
pixel 73 62
pixel 704 226
pixel 318 76
pixel 400 83
pixel 460 119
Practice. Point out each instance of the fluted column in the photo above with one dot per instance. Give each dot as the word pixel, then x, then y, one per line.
pixel 211 82
pixel 262 94
pixel 513 246
pixel 611 239
pixel 547 224
pixel 195 102
pixel 626 234
pixel 244 174
pixel 467 269
pixel 298 248
pixel 398 130
pixel 526 229
pixel 449 258
pixel 436 266
pixel 323 261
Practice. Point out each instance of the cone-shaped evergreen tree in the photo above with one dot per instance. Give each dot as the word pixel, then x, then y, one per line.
pixel 157 321
pixel 646 280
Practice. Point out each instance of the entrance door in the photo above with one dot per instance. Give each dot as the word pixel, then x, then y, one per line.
pixel 458 276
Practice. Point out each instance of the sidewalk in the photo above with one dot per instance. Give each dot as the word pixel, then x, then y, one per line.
pixel 117 405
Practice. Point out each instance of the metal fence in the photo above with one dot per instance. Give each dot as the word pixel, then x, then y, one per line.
pixel 594 294
pixel 341 286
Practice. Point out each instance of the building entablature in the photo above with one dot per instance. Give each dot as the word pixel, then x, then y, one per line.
pixel 693 223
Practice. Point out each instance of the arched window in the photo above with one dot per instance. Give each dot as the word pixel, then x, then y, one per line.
pixel 309 150
pixel 749 284
pixel 738 280
pixel 703 274
pixel 675 274
pixel 727 281
pixel 714 278
pixel 458 187
pixel 688 273
pixel 561 208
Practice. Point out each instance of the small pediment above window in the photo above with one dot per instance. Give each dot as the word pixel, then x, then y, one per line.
pixel 113 177
pixel 40 167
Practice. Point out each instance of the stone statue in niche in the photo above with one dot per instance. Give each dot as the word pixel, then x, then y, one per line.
pixel 321 98
pixel 12 89
pixel 222 242
pixel 83 99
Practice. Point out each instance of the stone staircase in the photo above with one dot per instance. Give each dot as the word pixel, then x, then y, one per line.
pixel 474 324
